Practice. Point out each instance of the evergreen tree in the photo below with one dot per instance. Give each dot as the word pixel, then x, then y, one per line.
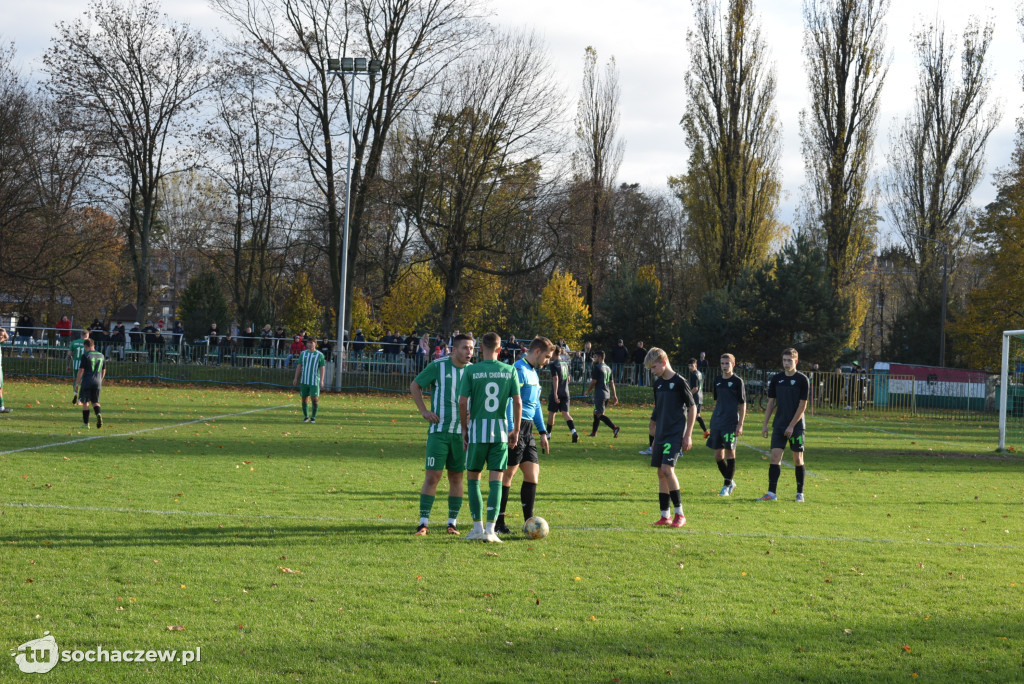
pixel 202 303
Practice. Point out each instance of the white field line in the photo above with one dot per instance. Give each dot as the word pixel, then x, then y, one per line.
pixel 110 435
pixel 768 453
pixel 388 521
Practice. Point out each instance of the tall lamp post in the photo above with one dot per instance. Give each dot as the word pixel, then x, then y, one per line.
pixel 945 269
pixel 351 66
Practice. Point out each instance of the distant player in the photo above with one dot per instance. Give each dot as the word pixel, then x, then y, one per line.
pixel 311 367
pixel 696 382
pixel 603 386
pixel 3 338
pixel 674 413
pixel 75 351
pixel 444 437
pixel 484 391
pixel 558 401
pixel 727 421
pixel 788 391
pixel 524 455
pixel 91 372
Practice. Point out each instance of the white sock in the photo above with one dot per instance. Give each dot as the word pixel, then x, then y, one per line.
pixel 451 521
pixel 424 521
pixel 679 510
pixel 478 525
pixel 490 528
pixel 664 513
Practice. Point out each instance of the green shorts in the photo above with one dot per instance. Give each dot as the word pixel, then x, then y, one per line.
pixel 309 391
pixel 492 454
pixel 444 451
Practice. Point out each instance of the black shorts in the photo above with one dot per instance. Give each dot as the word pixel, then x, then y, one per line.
pixel 526 447
pixel 90 395
pixel 558 403
pixel 599 402
pixel 795 443
pixel 666 453
pixel 721 439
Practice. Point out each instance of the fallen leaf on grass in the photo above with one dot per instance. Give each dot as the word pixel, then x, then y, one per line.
pixel 906 649
pixel 175 628
pixel 289 571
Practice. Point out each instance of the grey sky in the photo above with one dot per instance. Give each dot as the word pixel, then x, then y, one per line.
pixel 647 38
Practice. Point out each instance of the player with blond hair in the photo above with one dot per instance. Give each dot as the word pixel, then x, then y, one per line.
pixel 673 416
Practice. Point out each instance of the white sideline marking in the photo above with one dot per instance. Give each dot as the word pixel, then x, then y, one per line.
pixel 109 435
pixel 325 518
pixel 768 453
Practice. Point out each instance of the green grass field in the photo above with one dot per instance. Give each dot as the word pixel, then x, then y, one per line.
pixel 216 519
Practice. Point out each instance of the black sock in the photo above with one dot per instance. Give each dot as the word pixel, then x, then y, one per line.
pixel 572 425
pixel 703 427
pixel 800 479
pixel 774 470
pixel 650 440
pixel 662 501
pixel 504 502
pixel 597 421
pixel 730 469
pixel 677 499
pixel 527 495
pixel 724 469
pixel 96 409
pixel 607 421
pixel 85 416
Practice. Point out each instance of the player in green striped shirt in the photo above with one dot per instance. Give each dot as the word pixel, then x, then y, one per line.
pixel 310 369
pixel 75 352
pixel 484 392
pixel 444 436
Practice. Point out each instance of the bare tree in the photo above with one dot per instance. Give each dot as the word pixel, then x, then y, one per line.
pixel 938 153
pixel 846 64
pixel 414 39
pixel 731 190
pixel 597 156
pixel 130 78
pixel 473 169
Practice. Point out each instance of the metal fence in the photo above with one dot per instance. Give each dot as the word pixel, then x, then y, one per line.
pixel 272 365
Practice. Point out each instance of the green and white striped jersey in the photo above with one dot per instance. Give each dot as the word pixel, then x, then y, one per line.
pixel 77 349
pixel 445 377
pixel 311 362
pixel 489 386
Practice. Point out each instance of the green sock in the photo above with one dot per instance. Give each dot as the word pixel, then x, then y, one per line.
pixel 315 407
pixel 305 410
pixel 426 503
pixel 493 500
pixel 1 402
pixel 454 506
pixel 476 500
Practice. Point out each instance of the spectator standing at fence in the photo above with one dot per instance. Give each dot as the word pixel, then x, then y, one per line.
pixel 3 338
pixel 75 352
pixel 248 345
pixel 178 334
pixel 150 332
pixel 63 331
pixel 310 369
pixel 619 358
pixel 412 343
pixel 24 331
pixel 118 338
pixel 296 349
pixel 136 337
pixel 213 340
pixel 423 351
pixel 588 361
pixel 267 341
pixel 358 344
pixel 639 356
pixel 702 365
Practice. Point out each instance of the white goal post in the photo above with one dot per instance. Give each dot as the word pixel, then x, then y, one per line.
pixel 1004 385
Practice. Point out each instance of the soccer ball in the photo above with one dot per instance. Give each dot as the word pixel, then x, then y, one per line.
pixel 536 528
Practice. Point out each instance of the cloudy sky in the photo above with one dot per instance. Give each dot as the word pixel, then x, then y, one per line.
pixel 647 39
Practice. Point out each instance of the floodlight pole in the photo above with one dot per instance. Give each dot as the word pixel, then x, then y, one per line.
pixel 353 66
pixel 945 270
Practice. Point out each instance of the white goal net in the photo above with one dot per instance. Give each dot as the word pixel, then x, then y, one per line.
pixel 1011 392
